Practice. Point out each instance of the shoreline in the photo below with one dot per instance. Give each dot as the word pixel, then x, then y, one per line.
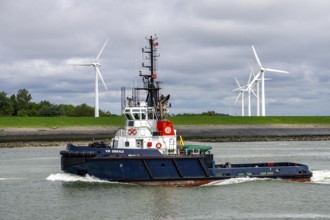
pixel 22 137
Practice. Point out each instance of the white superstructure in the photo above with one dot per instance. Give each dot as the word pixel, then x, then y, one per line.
pixel 143 131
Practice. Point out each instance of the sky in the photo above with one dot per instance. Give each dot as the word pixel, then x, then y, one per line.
pixel 203 45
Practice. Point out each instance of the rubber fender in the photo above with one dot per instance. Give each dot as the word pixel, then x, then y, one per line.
pixel 67 153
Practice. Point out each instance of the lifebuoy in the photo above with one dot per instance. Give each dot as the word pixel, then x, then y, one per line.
pixel 158 145
pixel 134 131
pixel 130 131
pixel 168 130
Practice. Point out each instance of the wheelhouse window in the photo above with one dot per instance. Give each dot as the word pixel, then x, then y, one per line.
pixel 128 116
pixel 138 114
pixel 131 123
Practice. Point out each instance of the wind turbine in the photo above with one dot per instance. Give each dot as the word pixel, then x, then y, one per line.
pixel 96 64
pixel 241 90
pixel 262 72
pixel 255 81
pixel 249 88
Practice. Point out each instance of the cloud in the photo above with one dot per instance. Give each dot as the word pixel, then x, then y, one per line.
pixel 203 45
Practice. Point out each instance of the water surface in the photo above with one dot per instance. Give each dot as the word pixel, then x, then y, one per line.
pixel 33 187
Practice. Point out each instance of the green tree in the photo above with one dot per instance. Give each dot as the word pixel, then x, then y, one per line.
pixel 84 110
pixel 34 109
pixel 21 103
pixel 6 105
pixel 107 113
pixel 68 110
pixel 48 109
pixel 14 103
pixel 23 99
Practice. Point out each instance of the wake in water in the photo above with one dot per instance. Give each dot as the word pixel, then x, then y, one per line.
pixel 65 177
pixel 234 181
pixel 321 177
pixel 11 178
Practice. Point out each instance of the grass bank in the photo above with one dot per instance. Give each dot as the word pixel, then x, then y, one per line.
pixel 239 120
pixel 56 122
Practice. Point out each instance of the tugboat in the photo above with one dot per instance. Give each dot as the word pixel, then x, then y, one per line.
pixel 148 152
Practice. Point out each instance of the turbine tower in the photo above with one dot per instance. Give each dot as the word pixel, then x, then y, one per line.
pixel 255 81
pixel 241 90
pixel 96 64
pixel 249 89
pixel 262 73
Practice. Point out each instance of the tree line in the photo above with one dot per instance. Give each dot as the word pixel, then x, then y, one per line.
pixel 20 104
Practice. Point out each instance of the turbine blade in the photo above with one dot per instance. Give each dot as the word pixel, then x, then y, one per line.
pixel 277 71
pixel 254 93
pixel 98 72
pixel 257 58
pixel 252 71
pixel 237 82
pixel 239 94
pixel 255 79
pixel 250 78
pixel 104 45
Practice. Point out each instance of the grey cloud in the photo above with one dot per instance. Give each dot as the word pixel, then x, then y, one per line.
pixel 203 45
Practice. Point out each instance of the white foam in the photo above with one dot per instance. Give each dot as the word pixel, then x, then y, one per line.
pixel 237 180
pixel 4 178
pixel 321 176
pixel 286 216
pixel 65 177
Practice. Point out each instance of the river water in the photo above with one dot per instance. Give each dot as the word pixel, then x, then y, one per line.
pixel 33 187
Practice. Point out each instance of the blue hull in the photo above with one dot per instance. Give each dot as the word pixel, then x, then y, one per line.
pixel 151 168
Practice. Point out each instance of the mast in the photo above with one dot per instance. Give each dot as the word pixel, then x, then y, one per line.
pixel 149 79
pixel 150 84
